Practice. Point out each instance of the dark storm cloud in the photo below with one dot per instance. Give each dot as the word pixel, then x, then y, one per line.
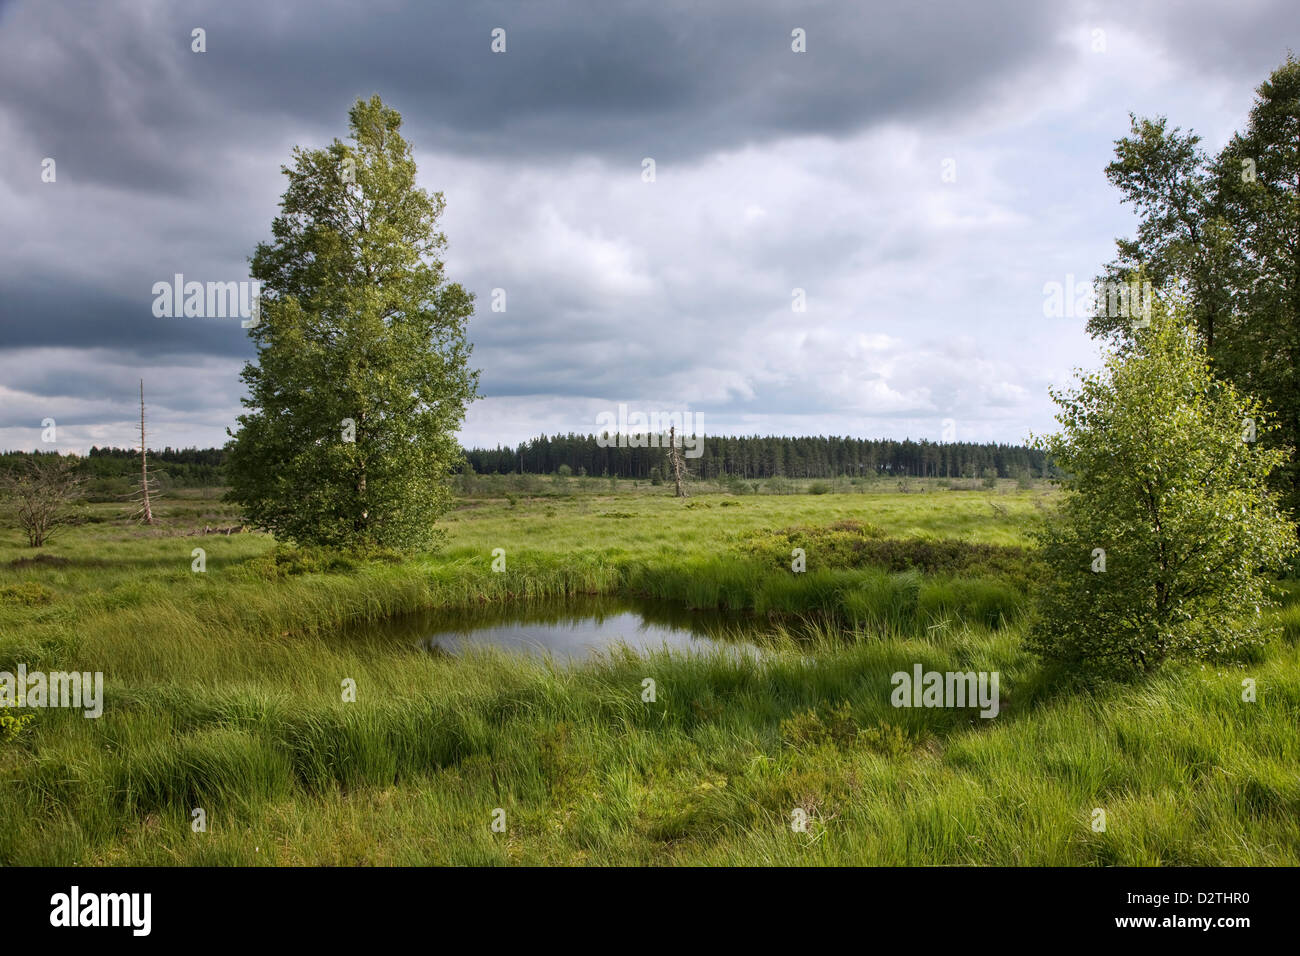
pixel 115 94
pixel 42 310
pixel 98 86
pixel 116 88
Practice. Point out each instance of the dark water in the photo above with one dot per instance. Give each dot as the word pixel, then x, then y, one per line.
pixel 572 630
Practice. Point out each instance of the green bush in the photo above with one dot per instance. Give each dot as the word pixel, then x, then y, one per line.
pixel 1167 533
pixel 778 485
pixel 834 726
pixel 885 603
pixel 886 739
pixel 735 485
pixel 856 544
pixel 13 725
pixel 285 560
pixel 991 602
pixel 26 594
pixel 214 768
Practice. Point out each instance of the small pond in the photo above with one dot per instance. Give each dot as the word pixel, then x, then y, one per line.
pixel 572 630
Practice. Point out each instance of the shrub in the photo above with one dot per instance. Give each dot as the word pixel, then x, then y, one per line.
pixel 13 725
pixel 886 739
pixel 26 594
pixel 779 485
pixel 1167 528
pixel 40 492
pixel 811 729
pixel 286 560
pixel 856 544
pixel 734 484
pixel 885 602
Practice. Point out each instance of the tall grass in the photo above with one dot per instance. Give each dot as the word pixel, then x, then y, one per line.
pixel 224 692
pixel 587 771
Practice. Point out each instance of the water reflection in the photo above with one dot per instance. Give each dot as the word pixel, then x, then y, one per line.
pixel 571 630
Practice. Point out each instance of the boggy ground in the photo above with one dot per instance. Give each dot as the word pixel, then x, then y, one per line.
pixel 223 691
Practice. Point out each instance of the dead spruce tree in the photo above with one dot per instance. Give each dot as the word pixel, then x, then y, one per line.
pixel 148 487
pixel 676 463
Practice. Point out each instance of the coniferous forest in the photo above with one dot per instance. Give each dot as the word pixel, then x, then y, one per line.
pixel 768 457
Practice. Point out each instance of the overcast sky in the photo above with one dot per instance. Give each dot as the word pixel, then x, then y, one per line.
pixel 775 171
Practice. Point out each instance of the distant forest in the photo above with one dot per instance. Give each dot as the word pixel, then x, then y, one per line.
pixel 751 458
pixel 115 471
pixel 767 457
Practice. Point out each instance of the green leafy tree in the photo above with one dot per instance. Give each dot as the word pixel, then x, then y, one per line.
pixel 1257 180
pixel 362 376
pixel 1224 233
pixel 1182 242
pixel 1166 533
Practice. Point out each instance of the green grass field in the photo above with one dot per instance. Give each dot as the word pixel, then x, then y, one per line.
pixel 222 692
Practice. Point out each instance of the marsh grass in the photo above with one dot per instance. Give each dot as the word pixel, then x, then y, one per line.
pixel 223 691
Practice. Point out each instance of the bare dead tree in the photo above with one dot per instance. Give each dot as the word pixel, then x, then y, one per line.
pixel 40 492
pixel 144 513
pixel 676 463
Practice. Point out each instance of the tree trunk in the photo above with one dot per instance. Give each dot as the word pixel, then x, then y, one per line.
pixel 675 460
pixel 146 512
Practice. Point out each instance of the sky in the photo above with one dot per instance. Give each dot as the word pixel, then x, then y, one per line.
pixel 916 177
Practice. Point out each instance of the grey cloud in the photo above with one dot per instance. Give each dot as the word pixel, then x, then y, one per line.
pixel 45 310
pixel 168 162
pixel 674 80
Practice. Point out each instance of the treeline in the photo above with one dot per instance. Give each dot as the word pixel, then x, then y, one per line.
pixel 767 457
pixel 751 457
pixel 111 470
pixel 178 467
pixel 175 456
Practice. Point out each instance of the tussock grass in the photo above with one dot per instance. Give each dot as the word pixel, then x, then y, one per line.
pixel 223 691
